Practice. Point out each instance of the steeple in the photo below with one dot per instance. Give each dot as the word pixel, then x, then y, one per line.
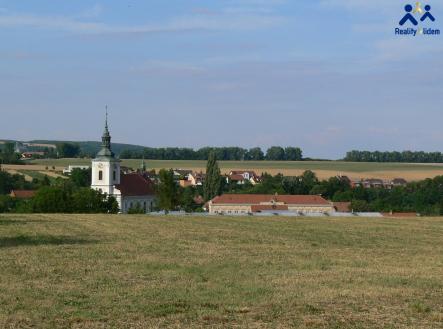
pixel 106 137
pixel 106 151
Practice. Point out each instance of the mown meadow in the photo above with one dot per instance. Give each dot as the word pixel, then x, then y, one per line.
pixel 115 271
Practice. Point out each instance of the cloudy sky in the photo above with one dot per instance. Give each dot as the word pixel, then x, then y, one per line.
pixel 326 75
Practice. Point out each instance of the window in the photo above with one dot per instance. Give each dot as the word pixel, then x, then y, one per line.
pixel 114 176
pixel 100 175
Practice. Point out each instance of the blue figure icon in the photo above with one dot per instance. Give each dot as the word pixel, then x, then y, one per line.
pixel 427 14
pixel 408 16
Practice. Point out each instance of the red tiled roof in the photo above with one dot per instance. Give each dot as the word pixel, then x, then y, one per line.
pixel 22 194
pixel 257 207
pixel 342 206
pixel 259 198
pixel 241 172
pixel 135 185
pixel 236 177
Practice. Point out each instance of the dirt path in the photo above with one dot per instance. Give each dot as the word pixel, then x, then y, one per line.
pixel 15 172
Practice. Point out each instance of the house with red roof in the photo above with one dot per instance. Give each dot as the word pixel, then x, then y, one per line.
pixel 242 176
pixel 253 203
pixel 22 194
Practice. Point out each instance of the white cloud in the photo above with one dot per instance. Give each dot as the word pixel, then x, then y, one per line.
pixel 185 23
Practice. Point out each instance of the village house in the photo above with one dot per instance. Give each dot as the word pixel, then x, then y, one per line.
pixel 242 176
pixel 131 190
pixel 182 174
pixel 398 182
pixel 253 203
pixel 22 194
pixel 373 183
pixel 32 154
pixel 378 183
pixel 196 179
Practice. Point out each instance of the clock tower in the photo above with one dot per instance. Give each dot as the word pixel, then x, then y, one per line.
pixel 105 167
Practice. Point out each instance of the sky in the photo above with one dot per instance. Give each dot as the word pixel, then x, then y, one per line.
pixel 328 76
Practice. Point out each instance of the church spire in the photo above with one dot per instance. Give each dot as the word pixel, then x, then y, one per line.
pixel 106 151
pixel 106 137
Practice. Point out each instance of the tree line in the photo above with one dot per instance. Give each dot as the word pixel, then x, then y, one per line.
pixel 7 154
pixel 71 195
pixel 405 156
pixel 274 153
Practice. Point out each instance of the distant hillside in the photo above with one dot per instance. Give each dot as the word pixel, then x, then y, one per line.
pixel 87 147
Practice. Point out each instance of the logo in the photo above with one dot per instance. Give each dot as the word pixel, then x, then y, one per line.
pixel 416 21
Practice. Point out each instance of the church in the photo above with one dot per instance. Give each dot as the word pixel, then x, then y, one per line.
pixel 132 190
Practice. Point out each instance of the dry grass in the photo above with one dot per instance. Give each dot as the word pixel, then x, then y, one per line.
pixel 15 172
pixel 80 271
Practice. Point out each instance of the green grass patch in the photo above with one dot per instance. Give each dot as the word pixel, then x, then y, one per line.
pixel 98 271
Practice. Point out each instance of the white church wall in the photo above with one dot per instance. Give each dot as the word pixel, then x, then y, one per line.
pixel 146 203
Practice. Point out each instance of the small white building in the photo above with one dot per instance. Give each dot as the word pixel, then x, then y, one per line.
pixel 130 190
pixel 68 171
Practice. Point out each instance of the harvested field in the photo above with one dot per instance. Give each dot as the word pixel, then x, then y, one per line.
pixel 323 169
pixel 98 271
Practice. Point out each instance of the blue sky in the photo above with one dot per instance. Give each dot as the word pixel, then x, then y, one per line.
pixel 327 75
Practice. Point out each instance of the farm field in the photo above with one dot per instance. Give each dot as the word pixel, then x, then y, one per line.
pixel 323 169
pixel 98 271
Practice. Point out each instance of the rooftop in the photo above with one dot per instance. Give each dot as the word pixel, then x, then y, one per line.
pixel 264 198
pixel 135 185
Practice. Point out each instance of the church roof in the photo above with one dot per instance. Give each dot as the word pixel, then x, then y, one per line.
pixel 106 152
pixel 135 185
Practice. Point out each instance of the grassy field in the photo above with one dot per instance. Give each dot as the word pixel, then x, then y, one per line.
pixel 323 169
pixel 80 271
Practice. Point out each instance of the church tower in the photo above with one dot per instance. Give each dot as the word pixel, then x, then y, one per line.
pixel 105 167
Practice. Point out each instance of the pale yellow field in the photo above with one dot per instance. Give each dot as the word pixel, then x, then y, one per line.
pixel 407 171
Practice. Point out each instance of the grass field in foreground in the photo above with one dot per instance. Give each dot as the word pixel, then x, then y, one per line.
pixel 323 169
pixel 86 271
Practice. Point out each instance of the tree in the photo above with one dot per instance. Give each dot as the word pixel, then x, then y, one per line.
pixel 188 202
pixel 167 191
pixel 275 153
pixel 51 200
pixel 68 150
pixel 88 201
pixel 255 154
pixel 7 155
pixel 81 177
pixel 293 154
pixel 6 203
pixel 9 182
pixel 212 183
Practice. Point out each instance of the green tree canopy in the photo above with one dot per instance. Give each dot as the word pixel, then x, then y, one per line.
pixel 167 191
pixel 68 150
pixel 212 183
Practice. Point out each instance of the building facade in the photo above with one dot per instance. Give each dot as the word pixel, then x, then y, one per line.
pixel 253 203
pixel 132 190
